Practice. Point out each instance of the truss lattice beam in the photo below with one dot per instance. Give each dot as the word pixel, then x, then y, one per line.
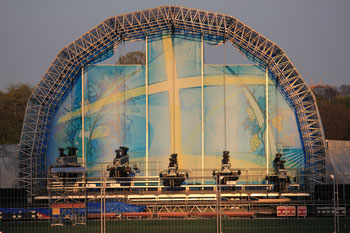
pixel 101 40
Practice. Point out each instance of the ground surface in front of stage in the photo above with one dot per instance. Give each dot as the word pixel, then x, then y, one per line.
pixel 286 225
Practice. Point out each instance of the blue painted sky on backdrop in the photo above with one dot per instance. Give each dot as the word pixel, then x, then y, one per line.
pixel 314 33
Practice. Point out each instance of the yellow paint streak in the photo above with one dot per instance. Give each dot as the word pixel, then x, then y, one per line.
pixel 96 106
pixel 157 88
pixel 101 131
pixel 234 80
pixel 163 87
pixel 174 99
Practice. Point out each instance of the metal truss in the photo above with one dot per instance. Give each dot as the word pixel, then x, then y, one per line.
pixel 171 208
pixel 100 41
pixel 209 207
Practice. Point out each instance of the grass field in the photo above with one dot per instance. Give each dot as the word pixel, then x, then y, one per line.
pixel 308 225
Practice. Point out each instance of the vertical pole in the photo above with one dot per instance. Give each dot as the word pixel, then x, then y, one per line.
pixel 220 214
pixel 82 118
pixel 267 119
pixel 124 102
pixel 337 197
pixel 334 205
pixel 101 184
pixel 146 84
pixel 225 129
pixel 104 202
pixel 202 104
pixel 173 91
pixel 225 110
pixel 217 203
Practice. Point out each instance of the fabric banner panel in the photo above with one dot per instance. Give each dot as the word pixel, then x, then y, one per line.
pixel 159 132
pixel 242 108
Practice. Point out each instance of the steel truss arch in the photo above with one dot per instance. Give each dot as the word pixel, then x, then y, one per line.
pixel 100 41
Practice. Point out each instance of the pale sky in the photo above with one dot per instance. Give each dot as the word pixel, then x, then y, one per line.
pixel 313 33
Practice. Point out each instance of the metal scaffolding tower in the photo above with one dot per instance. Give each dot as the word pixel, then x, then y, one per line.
pixel 100 41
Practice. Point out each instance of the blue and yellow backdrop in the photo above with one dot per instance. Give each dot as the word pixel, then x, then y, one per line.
pixel 195 110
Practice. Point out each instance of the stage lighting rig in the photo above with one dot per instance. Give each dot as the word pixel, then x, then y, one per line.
pixel 172 177
pixel 280 179
pixel 67 160
pixel 227 175
pixel 120 169
pixel 67 167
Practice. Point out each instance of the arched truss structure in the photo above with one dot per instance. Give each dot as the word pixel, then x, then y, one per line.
pixel 101 40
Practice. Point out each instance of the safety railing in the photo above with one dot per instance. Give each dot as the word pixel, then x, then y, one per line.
pixel 144 204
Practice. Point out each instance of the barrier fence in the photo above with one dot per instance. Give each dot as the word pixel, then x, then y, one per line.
pixel 144 204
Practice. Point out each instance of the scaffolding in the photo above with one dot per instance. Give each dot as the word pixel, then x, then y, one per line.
pixel 101 41
pixel 67 195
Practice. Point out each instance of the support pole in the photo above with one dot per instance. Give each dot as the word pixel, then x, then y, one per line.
pixel 217 203
pixel 146 84
pixel 225 94
pixel 82 119
pixel 202 105
pixel 104 202
pixel 267 119
pixel 101 196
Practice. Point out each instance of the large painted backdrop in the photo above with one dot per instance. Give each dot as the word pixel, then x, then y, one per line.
pixel 231 99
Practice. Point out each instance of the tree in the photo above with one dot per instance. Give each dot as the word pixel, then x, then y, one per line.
pixel 13 104
pixel 330 93
pixel 344 90
pixel 136 57
pixel 326 92
pixel 335 116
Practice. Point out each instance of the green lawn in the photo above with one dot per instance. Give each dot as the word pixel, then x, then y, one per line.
pixel 308 225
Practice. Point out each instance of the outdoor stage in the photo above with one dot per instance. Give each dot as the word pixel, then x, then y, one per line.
pixel 246 144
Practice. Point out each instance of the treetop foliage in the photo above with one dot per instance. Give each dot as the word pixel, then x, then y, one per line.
pixel 331 92
pixel 136 57
pixel 13 104
pixel 334 107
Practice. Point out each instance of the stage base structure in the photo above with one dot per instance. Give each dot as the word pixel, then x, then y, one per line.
pixel 67 195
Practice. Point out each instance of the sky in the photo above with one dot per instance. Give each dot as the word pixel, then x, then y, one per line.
pixel 313 33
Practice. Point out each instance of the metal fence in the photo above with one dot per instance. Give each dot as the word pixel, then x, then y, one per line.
pixel 144 204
